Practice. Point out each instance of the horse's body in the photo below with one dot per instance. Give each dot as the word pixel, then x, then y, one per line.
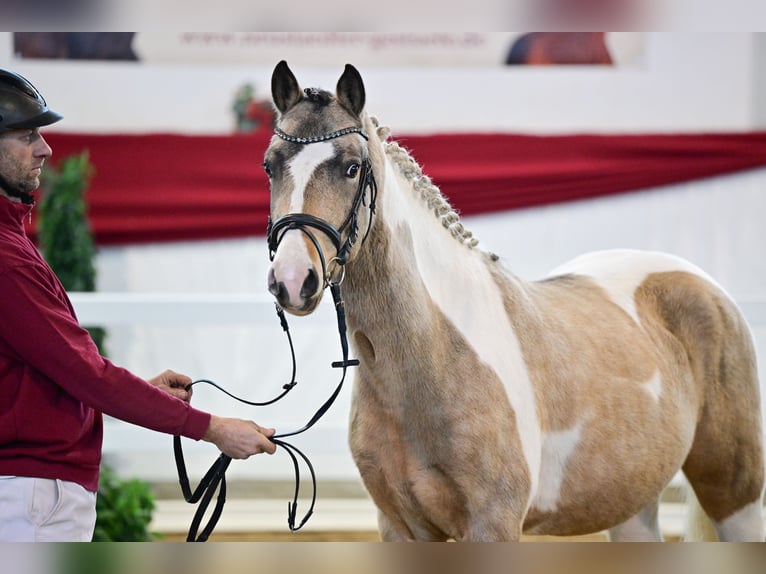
pixel 485 405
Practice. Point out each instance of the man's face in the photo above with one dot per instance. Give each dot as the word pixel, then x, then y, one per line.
pixel 22 154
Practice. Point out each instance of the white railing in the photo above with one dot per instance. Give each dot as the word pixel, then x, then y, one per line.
pixel 133 308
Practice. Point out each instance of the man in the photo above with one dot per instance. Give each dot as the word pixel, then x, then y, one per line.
pixel 54 385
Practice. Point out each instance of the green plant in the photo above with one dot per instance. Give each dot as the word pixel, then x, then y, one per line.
pixel 63 230
pixel 123 509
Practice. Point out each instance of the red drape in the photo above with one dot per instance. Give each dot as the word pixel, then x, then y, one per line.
pixel 167 187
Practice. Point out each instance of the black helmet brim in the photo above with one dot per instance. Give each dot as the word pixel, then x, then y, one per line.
pixel 46 118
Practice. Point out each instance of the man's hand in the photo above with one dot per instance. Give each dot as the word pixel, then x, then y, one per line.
pixel 174 384
pixel 239 438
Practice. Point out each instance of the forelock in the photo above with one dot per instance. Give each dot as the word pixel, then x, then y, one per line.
pixel 318 96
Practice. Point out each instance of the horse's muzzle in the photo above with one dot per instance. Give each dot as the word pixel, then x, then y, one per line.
pixel 296 297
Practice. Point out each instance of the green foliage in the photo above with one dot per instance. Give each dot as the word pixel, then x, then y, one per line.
pixel 123 509
pixel 64 233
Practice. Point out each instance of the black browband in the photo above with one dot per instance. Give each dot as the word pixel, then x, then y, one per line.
pixel 323 137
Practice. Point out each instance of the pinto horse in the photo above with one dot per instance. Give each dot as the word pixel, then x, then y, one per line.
pixel 485 405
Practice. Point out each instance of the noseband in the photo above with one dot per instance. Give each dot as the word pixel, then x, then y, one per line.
pixel 304 221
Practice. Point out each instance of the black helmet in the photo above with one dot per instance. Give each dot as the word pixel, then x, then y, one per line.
pixel 21 105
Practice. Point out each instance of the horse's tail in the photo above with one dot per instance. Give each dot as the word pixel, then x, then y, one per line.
pixel 698 526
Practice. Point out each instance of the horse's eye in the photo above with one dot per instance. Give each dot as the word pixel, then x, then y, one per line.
pixel 352 170
pixel 267 168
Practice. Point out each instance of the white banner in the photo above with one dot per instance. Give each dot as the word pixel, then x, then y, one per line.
pixel 366 49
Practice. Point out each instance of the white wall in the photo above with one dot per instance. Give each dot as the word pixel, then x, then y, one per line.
pixel 688 82
pixel 759 81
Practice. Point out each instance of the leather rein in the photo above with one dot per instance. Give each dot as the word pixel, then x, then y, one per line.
pixel 215 478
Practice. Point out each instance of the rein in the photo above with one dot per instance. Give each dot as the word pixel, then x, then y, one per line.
pixel 215 478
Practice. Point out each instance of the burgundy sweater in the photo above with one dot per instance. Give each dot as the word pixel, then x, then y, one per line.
pixel 54 384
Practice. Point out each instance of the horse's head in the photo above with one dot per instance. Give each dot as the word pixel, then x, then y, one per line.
pixel 322 186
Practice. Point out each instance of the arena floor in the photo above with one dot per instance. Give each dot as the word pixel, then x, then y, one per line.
pixel 343 513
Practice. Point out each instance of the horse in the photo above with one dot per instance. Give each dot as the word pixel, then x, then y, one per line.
pixel 487 406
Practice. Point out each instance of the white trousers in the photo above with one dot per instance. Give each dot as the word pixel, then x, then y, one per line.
pixel 45 510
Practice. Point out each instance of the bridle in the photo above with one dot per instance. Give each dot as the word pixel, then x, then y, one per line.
pixel 215 478
pixel 303 221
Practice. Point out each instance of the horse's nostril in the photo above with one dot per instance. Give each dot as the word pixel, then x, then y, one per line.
pixel 310 284
pixel 281 295
pixel 278 289
pixel 272 283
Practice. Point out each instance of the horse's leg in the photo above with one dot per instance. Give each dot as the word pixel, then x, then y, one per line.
pixel 643 527
pixel 492 527
pixel 392 531
pixel 499 530
pixel 744 525
pixel 396 531
pixel 727 477
pixel 725 465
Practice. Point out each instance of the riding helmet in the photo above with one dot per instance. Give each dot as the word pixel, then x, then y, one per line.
pixel 21 105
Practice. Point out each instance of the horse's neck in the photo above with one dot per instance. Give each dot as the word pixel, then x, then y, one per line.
pixel 425 310
pixel 411 263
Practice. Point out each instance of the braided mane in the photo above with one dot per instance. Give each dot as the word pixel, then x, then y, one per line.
pixel 425 188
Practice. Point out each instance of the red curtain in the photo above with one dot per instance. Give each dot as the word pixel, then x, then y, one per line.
pixel 168 187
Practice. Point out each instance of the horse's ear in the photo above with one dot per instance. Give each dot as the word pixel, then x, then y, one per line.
pixel 285 90
pixel 350 90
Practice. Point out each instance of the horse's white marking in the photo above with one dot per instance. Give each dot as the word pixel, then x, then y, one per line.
pixel 621 271
pixel 301 168
pixel 557 449
pixel 461 286
pixel 654 386
pixel 643 527
pixel 742 525
pixel 292 261
pixel 287 265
